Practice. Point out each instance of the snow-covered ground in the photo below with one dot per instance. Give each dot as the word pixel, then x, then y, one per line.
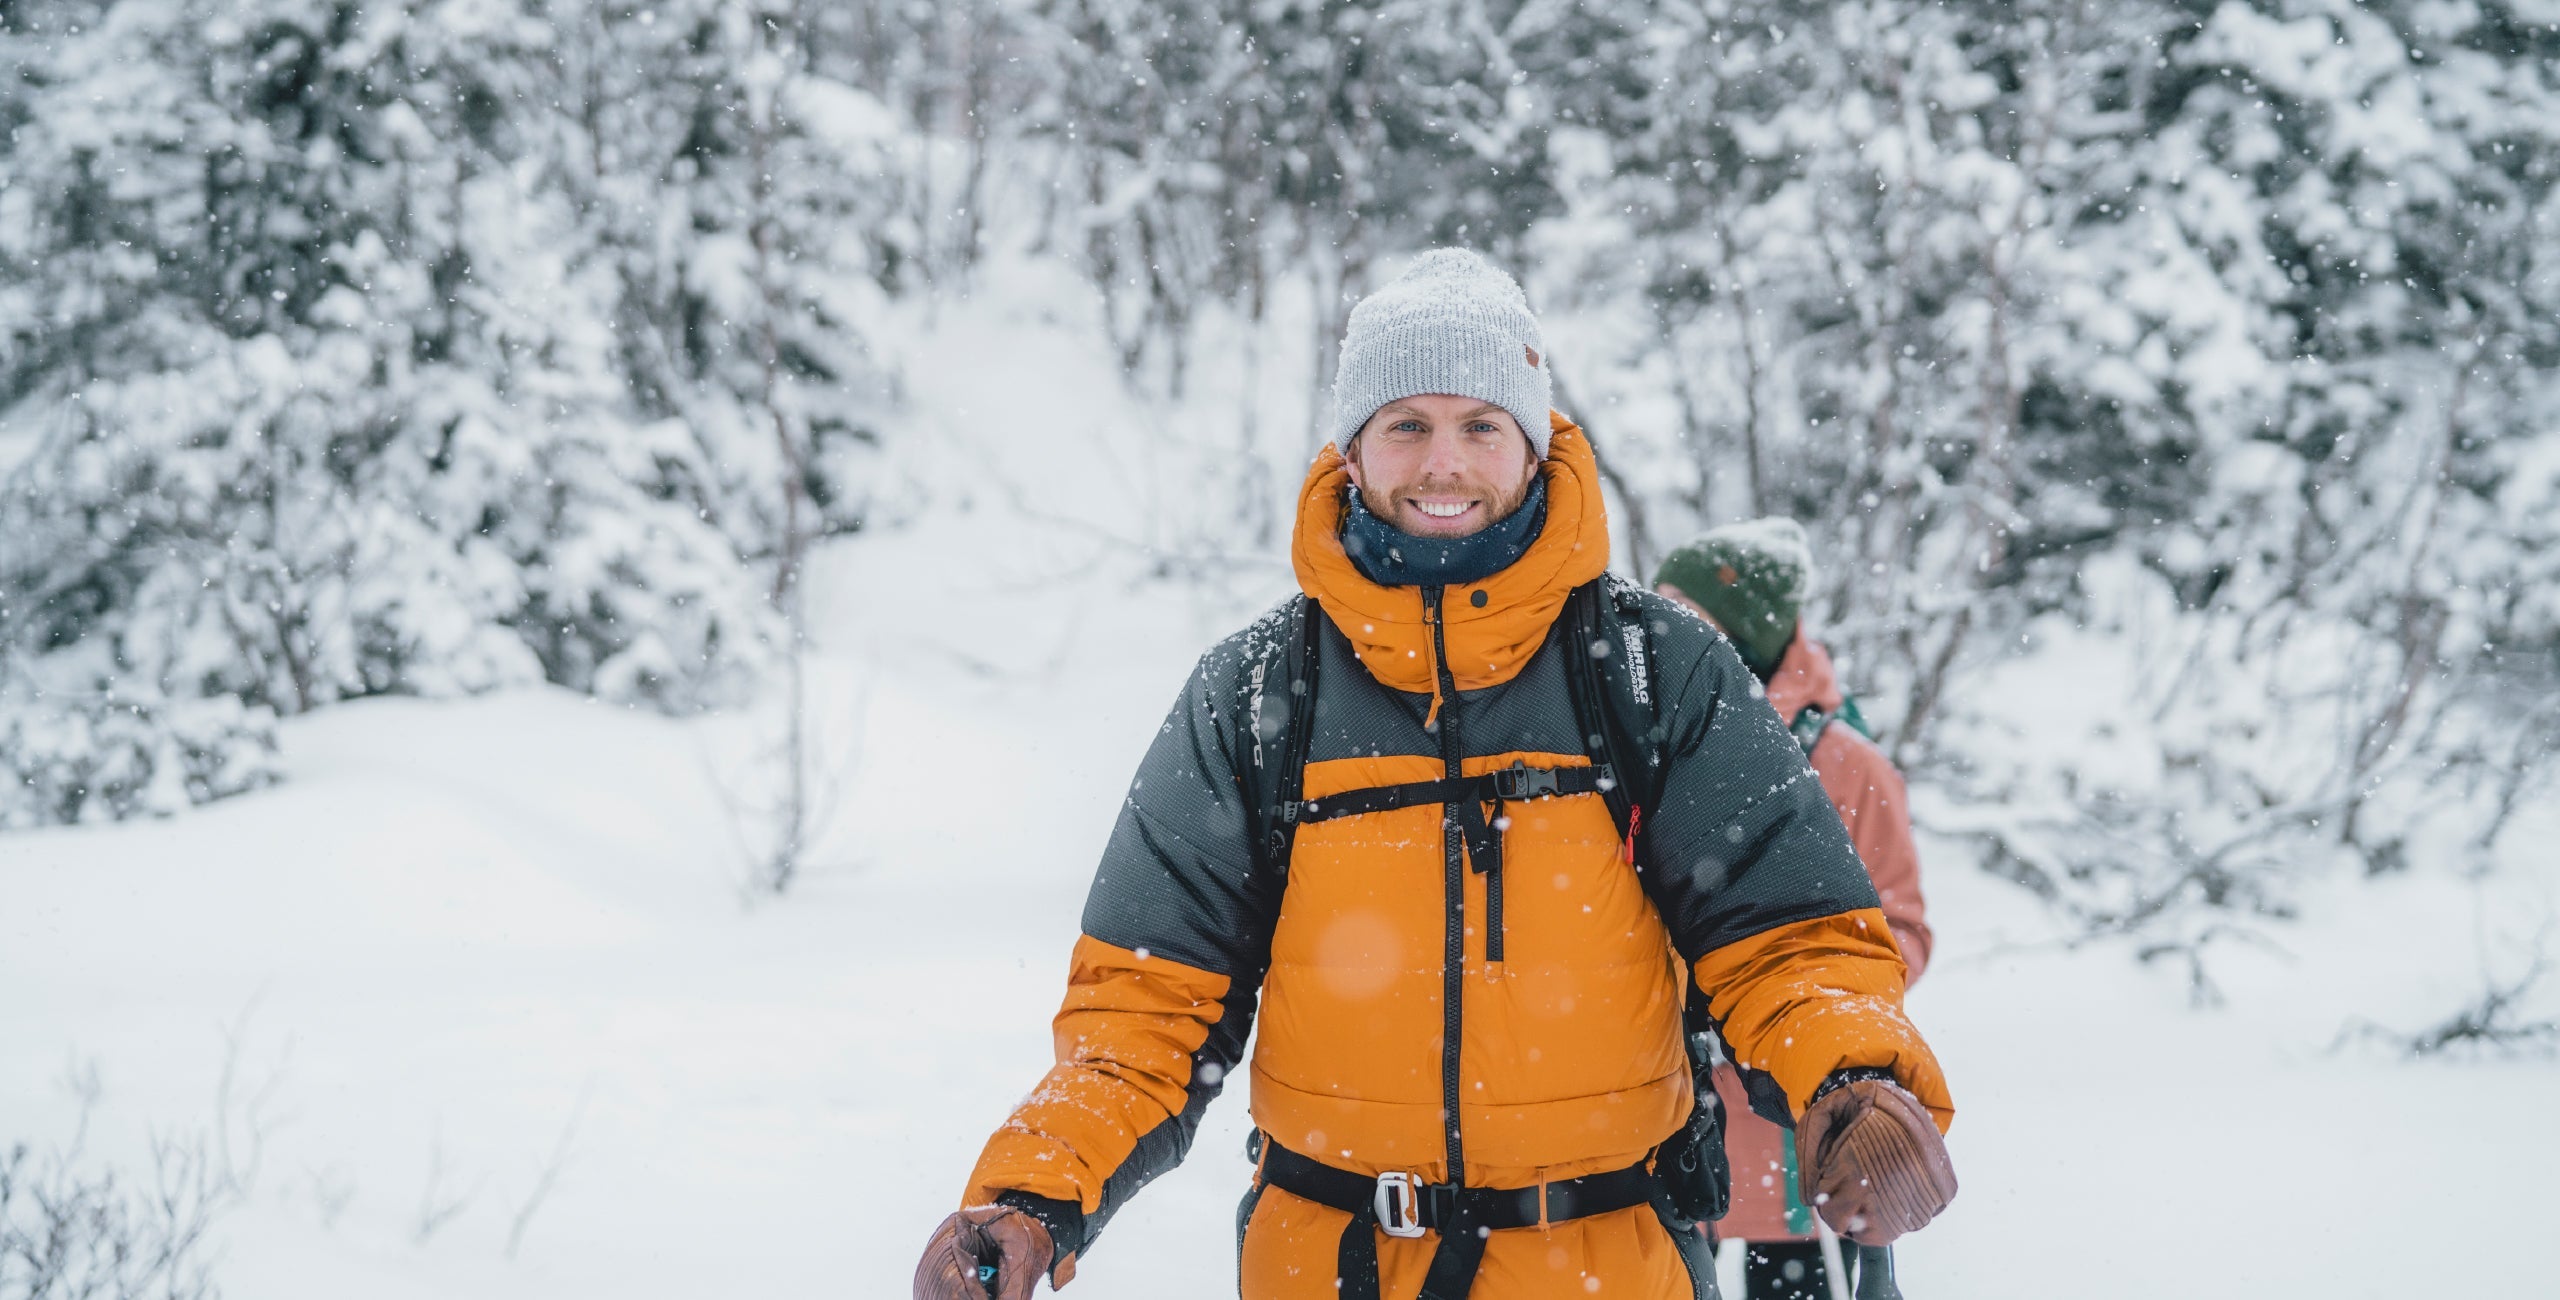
pixel 473 950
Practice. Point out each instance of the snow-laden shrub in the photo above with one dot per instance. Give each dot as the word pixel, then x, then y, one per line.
pixel 351 350
pixel 98 758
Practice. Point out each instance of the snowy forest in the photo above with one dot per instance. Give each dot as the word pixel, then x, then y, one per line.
pixel 2170 388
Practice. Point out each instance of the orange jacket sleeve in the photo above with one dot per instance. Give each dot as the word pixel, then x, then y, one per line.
pixel 1802 1000
pixel 1125 1041
pixel 1162 986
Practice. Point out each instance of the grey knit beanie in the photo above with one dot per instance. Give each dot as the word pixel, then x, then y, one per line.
pixel 1452 323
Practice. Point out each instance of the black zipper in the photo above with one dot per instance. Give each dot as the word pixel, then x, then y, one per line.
pixel 1454 894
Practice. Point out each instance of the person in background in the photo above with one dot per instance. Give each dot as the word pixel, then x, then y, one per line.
pixel 1749 580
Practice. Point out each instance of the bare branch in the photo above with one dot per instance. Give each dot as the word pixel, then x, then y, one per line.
pixel 549 1175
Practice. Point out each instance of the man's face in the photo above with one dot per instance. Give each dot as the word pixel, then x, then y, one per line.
pixel 1441 466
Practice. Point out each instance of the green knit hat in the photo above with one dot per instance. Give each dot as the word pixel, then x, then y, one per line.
pixel 1752 579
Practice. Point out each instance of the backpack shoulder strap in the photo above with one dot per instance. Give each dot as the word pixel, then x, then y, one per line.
pixel 1278 690
pixel 1617 696
pixel 1807 727
pixel 1850 714
pixel 1609 670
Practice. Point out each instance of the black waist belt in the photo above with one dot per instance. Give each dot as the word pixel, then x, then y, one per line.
pixel 1401 1207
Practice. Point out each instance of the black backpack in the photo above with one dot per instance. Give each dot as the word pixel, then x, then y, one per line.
pixel 1615 706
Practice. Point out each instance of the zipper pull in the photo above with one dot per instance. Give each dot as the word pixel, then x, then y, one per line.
pixel 1635 818
pixel 1431 616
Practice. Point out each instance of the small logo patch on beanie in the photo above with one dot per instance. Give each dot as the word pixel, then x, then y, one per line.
pixel 1726 575
pixel 1533 355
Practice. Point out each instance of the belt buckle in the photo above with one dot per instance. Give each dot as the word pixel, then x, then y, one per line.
pixel 1399 1205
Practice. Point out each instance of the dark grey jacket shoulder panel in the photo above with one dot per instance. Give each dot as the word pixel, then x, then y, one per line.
pixel 1531 713
pixel 1356 715
pixel 1742 837
pixel 1177 877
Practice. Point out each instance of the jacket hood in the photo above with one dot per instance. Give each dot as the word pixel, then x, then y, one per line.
pixel 1804 677
pixel 1488 643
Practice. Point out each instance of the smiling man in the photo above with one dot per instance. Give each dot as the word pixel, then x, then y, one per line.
pixel 1414 817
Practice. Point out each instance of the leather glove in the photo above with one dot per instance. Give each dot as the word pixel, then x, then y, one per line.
pixel 1870 1161
pixel 1016 1244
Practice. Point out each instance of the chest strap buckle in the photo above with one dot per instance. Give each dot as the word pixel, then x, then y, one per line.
pixel 1521 781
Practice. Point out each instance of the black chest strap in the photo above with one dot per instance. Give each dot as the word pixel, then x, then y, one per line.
pixel 1466 796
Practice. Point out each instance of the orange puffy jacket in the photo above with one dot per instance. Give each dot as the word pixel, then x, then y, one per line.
pixel 1418 1016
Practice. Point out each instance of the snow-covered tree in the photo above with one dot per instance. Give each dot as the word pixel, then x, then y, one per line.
pixel 2225 330
pixel 351 355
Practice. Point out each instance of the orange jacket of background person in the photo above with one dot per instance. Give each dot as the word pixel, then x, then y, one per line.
pixel 1421 1014
pixel 1869 794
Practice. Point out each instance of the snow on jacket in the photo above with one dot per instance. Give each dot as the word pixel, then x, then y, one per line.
pixel 1389 1040
pixel 1869 795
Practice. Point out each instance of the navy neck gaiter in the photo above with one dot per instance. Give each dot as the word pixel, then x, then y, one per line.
pixel 1391 557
